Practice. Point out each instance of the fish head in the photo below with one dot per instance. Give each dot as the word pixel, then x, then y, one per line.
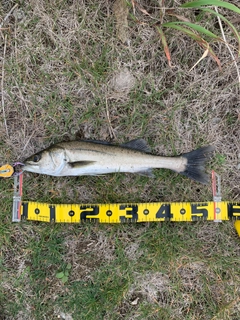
pixel 50 161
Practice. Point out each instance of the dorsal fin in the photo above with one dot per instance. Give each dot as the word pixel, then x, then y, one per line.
pixel 137 144
pixel 96 141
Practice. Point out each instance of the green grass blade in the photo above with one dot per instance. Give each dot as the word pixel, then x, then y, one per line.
pixel 182 29
pixel 227 21
pixel 203 43
pixel 218 3
pixel 194 26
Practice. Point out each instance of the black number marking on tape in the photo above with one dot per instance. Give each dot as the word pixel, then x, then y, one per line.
pixel 25 210
pixel 198 212
pixel 131 210
pixel 52 213
pixel 234 211
pixel 86 214
pixel 164 212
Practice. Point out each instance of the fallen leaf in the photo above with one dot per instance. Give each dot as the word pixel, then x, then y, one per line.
pixel 211 53
pixel 143 10
pixel 205 54
pixel 179 17
pixel 165 46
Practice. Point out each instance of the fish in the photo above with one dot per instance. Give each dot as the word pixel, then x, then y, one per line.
pixel 93 158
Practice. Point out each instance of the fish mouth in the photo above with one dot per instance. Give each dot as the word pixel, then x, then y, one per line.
pixel 26 163
pixel 31 167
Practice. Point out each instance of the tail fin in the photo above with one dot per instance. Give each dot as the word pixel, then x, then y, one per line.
pixel 196 159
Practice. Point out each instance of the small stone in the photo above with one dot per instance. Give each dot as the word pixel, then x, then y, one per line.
pixel 135 302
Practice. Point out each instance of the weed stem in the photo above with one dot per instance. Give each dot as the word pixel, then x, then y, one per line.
pixel 229 49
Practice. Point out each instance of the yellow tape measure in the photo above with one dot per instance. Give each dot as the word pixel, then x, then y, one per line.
pixel 215 210
pixel 124 212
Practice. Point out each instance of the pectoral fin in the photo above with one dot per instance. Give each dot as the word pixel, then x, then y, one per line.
pixel 80 164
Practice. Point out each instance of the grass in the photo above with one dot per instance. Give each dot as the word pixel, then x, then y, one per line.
pixel 64 67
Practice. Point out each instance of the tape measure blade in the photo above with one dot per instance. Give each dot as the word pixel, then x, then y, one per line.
pixel 125 212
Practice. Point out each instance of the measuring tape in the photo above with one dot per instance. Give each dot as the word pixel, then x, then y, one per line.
pixel 126 212
pixel 215 210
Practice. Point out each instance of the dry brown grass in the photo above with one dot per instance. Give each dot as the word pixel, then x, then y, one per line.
pixel 64 72
pixel 65 75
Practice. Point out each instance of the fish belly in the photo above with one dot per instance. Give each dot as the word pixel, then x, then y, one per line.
pixel 93 163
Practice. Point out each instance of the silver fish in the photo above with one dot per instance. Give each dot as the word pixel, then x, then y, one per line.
pixel 80 158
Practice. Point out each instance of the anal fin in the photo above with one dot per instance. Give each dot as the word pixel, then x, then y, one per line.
pixel 146 173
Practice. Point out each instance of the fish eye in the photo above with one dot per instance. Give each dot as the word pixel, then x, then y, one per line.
pixel 36 157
